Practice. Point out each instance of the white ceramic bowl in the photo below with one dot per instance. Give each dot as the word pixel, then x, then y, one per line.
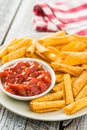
pixel 45 67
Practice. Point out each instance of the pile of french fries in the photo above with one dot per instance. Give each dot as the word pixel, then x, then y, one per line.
pixel 67 55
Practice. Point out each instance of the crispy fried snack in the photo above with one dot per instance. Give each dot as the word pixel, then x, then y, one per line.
pixel 46 52
pixel 59 33
pixel 80 38
pixel 74 46
pixel 4 50
pixel 82 93
pixel 25 42
pixel 57 87
pixel 76 58
pixel 79 83
pixel 76 106
pixel 49 97
pixel 14 55
pixel 53 41
pixel 68 89
pixel 46 106
pixel 59 77
pixel 73 70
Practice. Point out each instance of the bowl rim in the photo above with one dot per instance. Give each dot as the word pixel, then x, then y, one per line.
pixel 44 65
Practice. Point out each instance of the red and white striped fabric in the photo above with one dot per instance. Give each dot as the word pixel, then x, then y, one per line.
pixel 68 15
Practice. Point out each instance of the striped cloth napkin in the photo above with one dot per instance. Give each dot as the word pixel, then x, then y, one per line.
pixel 68 15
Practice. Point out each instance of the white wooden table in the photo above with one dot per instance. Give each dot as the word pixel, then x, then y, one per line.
pixel 15 21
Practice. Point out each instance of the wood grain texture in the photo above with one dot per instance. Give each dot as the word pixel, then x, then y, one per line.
pixel 16 20
pixel 7 14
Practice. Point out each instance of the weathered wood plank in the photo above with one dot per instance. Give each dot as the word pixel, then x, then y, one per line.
pixel 22 25
pixel 7 12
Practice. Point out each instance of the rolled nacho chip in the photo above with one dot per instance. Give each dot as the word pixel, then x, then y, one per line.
pixel 76 58
pixel 49 97
pixel 44 106
pixel 76 106
pixel 79 83
pixel 25 42
pixel 4 50
pixel 59 33
pixel 82 93
pixel 80 38
pixel 57 87
pixel 53 41
pixel 74 46
pixel 48 110
pixel 68 89
pixel 73 70
pixel 59 77
pixel 14 55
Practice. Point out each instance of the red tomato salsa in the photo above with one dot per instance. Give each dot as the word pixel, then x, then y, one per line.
pixel 25 79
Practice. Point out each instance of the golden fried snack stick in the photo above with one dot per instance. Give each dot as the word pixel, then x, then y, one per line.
pixel 31 48
pixel 49 97
pixel 14 55
pixel 57 87
pixel 48 110
pixel 40 48
pixel 59 33
pixel 53 41
pixel 46 52
pixel 47 105
pixel 76 106
pixel 76 58
pixel 74 46
pixel 25 42
pixel 54 50
pixel 68 89
pixel 82 93
pixel 59 77
pixel 64 54
pixel 73 70
pixel 79 83
pixel 4 50
pixel 80 38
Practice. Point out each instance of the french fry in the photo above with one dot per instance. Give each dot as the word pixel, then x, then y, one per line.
pixel 49 97
pixel 82 93
pixel 73 70
pixel 79 83
pixel 68 89
pixel 14 55
pixel 76 58
pixel 25 42
pixel 74 46
pixel 76 106
pixel 41 106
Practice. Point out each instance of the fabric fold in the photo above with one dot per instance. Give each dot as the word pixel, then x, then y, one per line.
pixel 70 16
